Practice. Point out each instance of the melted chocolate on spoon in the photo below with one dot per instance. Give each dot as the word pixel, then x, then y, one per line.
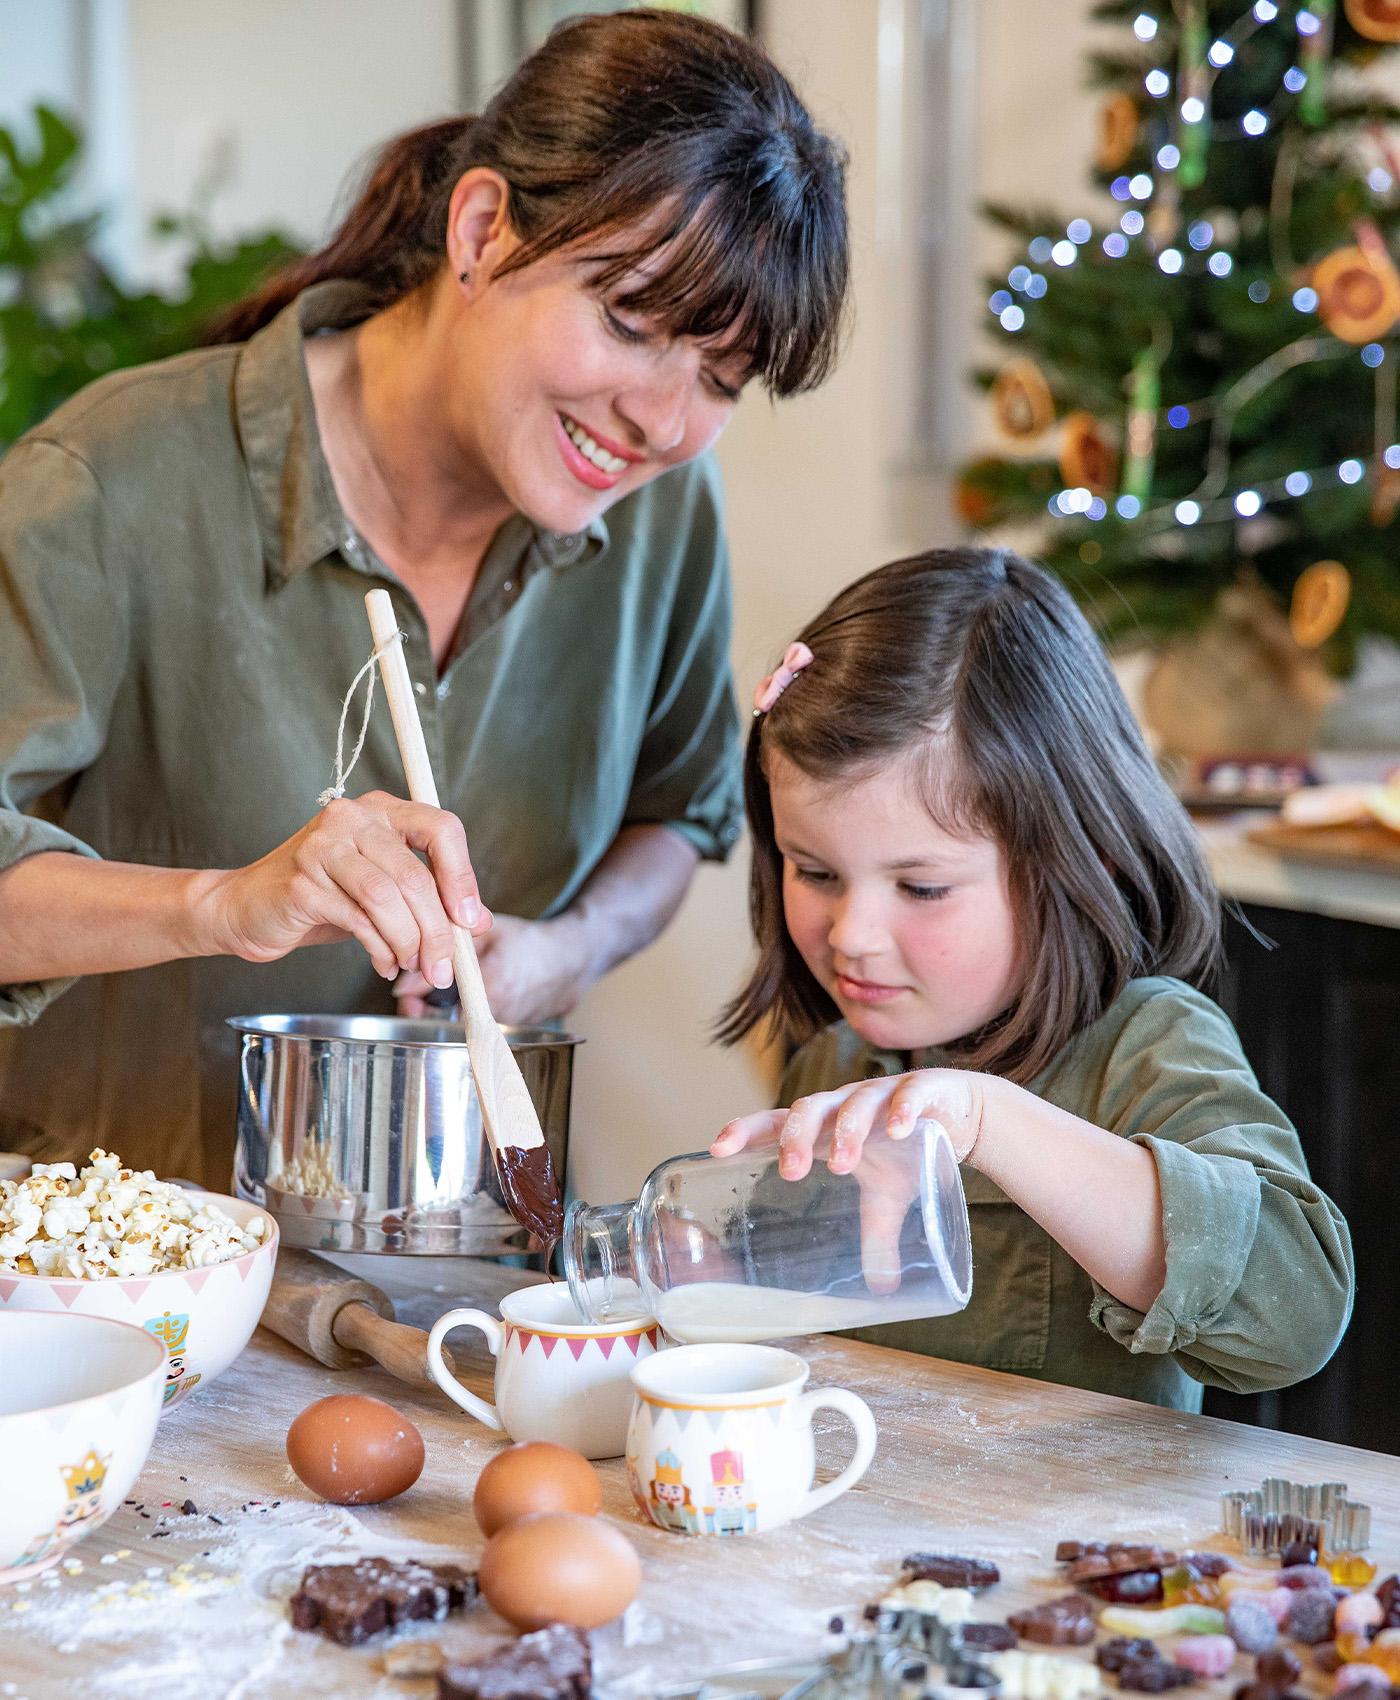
pixel 531 1192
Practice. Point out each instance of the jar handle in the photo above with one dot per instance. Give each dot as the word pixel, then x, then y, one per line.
pixel 858 1414
pixel 477 1407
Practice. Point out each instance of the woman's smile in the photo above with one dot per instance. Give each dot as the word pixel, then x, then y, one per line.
pixel 596 461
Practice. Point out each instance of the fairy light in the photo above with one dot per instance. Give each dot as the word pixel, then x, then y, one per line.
pixel 1254 122
pixel 1037 287
pixel 1178 417
pixel 1127 507
pixel 1170 261
pixel 1040 249
pixel 1157 82
pixel 1019 277
pixel 1308 23
pixel 1193 109
pixel 1145 27
pixel 1079 231
pixel 1379 181
pixel 1373 355
pixel 1258 292
pixel 1064 253
pixel 1248 503
pixel 1169 156
pixel 1097 509
pixel 1115 245
pixel 1220 265
pixel 1220 54
pixel 1201 234
pixel 1351 472
pixel 999 301
pixel 1391 457
pixel 1119 188
pixel 1298 483
pixel 1305 299
pixel 1012 318
pixel 1295 79
pixel 1265 11
pixel 1140 187
pixel 1188 513
pixel 1132 222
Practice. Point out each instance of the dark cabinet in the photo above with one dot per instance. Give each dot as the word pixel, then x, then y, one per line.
pixel 1318 1009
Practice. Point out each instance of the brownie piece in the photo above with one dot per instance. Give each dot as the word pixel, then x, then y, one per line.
pixel 552 1664
pixel 986 1637
pixel 348 1603
pixel 1114 1558
pixel 1065 1622
pixel 951 1570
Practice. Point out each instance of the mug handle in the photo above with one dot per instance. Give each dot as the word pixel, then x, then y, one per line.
pixel 857 1413
pixel 479 1408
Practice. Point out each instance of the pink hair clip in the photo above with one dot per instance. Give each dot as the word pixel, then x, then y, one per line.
pixel 795 658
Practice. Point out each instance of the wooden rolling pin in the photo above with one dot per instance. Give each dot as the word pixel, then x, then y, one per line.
pixel 342 1321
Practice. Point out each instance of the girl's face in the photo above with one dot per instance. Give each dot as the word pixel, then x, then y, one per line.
pixel 910 930
pixel 569 401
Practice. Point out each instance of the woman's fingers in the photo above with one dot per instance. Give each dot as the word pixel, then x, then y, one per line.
pixel 376 893
pixel 762 1128
pixel 443 837
pixel 418 890
pixel 343 913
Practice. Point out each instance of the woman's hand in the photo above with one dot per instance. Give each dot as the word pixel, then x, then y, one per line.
pixel 533 971
pixel 351 872
pixel 849 1115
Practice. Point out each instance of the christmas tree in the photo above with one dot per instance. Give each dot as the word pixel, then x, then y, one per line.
pixel 1199 388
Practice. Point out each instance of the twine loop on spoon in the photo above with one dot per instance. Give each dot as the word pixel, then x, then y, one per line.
pixel 342 773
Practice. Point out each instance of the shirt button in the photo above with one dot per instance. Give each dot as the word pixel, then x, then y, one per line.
pixel 421 688
pixel 509 585
pixel 730 833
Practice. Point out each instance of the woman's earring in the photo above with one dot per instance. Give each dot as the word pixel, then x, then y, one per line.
pixel 464 277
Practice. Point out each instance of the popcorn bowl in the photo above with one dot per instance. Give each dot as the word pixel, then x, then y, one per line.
pixel 80 1397
pixel 203 1318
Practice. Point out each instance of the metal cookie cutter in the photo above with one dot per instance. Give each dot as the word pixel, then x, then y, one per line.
pixel 1269 1518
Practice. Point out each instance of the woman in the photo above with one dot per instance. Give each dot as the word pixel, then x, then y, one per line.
pixel 493 391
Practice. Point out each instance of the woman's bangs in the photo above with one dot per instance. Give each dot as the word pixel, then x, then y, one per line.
pixel 720 278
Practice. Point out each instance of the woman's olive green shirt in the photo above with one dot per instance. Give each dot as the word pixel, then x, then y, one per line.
pixel 181 613
pixel 1259 1267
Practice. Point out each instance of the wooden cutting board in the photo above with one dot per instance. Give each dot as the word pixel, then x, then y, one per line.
pixel 1368 845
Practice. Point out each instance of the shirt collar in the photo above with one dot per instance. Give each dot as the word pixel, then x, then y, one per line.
pixel 300 519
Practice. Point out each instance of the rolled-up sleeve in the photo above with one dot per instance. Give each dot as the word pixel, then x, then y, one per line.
pixel 688 775
pixel 63 647
pixel 1259 1275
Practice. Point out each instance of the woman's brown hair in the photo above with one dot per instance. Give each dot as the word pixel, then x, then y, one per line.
pixel 976 671
pixel 631 132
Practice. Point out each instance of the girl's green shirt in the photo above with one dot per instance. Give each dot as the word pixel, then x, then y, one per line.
pixel 1259 1264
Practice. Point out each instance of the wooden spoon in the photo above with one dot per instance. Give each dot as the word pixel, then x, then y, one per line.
pixel 508 1114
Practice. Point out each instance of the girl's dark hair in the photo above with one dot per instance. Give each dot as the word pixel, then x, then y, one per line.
pixel 977 670
pixel 632 132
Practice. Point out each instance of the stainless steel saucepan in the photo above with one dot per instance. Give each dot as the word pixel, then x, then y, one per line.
pixel 363 1133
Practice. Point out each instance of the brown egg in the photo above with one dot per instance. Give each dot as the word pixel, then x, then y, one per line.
pixel 534 1476
pixel 558 1567
pixel 354 1450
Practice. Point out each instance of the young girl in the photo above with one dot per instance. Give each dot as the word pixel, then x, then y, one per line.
pixel 977 901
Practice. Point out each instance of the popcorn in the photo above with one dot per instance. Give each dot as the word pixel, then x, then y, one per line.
pixel 112 1221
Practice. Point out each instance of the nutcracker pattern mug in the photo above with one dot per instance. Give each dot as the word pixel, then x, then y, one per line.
pixel 720 1441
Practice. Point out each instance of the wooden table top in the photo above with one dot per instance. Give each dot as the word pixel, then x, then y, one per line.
pixel 969 1461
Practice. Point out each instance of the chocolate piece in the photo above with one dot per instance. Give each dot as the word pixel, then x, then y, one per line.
pixel 1065 1622
pixel 1124 1650
pixel 1326 1658
pixel 1310 1616
pixel 987 1637
pixel 1154 1676
pixel 1388 1593
pixel 950 1569
pixel 1116 1559
pixel 552 1664
pixel 1136 1588
pixel 1277 1669
pixel 531 1192
pixel 1207 1563
pixel 348 1603
pixel 1299 1552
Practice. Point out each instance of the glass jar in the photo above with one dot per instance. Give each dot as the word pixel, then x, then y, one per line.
pixel 725 1249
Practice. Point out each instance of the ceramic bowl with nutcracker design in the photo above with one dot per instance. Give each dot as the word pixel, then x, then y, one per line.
pixel 80 1397
pixel 202 1317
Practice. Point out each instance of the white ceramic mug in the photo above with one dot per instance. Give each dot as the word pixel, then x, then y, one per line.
pixel 720 1441
pixel 557 1378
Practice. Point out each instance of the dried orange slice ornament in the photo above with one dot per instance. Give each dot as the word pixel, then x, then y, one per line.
pixel 1087 458
pixel 1118 131
pixel 1358 294
pixel 1320 600
pixel 1021 400
pixel 1377 20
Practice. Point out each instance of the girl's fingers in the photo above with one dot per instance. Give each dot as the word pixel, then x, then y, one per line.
pixel 911 1101
pixel 762 1128
pixel 854 1123
pixel 882 1212
pixel 805 1124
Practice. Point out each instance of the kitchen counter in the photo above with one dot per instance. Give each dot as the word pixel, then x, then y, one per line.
pixel 969 1461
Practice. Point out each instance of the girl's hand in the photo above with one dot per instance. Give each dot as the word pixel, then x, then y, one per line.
pixel 849 1115
pixel 351 872
pixel 533 971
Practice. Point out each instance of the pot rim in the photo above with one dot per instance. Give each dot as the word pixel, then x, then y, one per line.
pixel 396 1030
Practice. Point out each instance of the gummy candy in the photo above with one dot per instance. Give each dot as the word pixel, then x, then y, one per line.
pixel 1303 1576
pixel 1209 1656
pixel 1250 1624
pixel 1175 1620
pixel 1278 1604
pixel 1185 1585
pixel 1278 1668
pixel 1248 1582
pixel 1352 1677
pixel 1310 1616
pixel 1384 1652
pixel 1350 1570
